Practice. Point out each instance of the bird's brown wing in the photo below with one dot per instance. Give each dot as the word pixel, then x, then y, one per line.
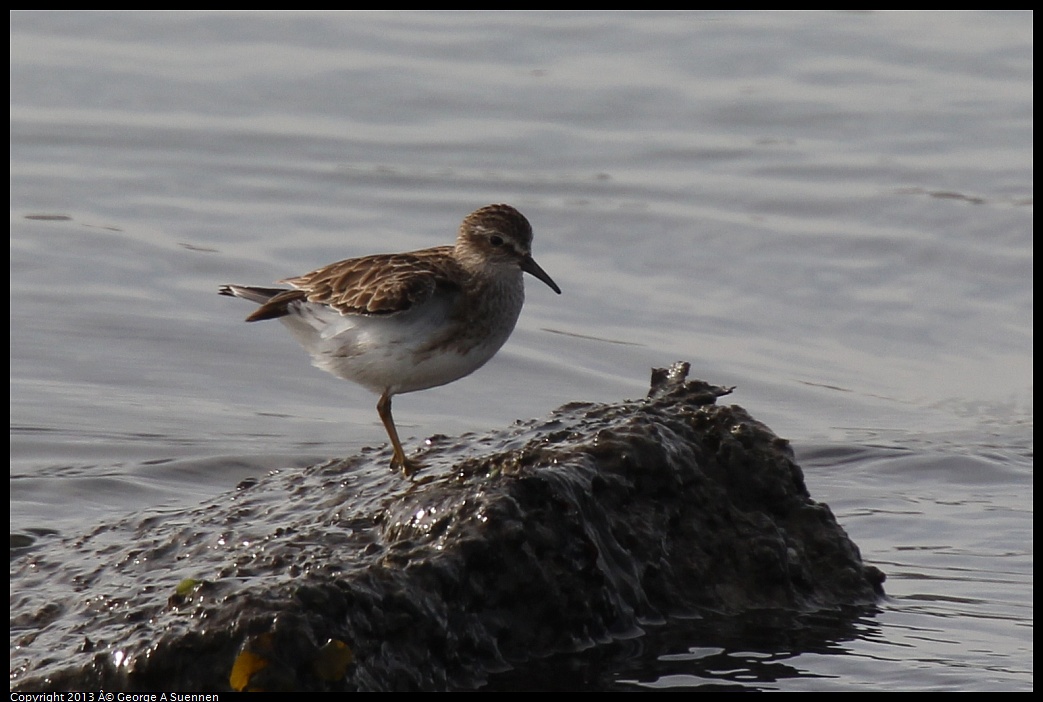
pixel 377 285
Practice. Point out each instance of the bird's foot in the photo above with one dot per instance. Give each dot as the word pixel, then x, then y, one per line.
pixel 407 466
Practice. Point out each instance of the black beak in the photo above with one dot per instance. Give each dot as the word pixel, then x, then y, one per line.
pixel 533 268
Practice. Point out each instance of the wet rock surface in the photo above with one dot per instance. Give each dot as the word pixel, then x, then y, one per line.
pixel 553 535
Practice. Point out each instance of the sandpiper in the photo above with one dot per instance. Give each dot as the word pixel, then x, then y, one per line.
pixel 402 322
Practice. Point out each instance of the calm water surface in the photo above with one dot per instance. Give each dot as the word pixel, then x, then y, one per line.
pixel 831 211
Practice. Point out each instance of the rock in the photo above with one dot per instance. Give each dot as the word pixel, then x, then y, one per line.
pixel 549 536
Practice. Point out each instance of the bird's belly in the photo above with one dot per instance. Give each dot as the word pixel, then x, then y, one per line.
pixel 398 354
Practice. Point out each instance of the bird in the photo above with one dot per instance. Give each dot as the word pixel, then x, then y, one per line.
pixel 402 322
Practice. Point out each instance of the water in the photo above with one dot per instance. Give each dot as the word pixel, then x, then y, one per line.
pixel 830 210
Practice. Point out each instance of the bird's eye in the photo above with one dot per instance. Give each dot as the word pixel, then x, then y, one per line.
pixel 496 240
